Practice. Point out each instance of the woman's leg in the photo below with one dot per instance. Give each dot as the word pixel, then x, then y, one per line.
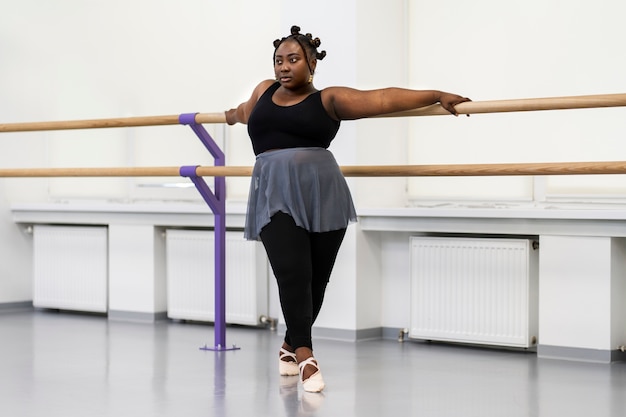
pixel 288 250
pixel 324 249
pixel 302 263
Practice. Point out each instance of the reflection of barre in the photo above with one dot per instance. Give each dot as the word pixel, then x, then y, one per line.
pixel 474 107
pixel 460 170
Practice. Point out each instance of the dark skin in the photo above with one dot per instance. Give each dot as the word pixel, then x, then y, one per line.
pixel 341 103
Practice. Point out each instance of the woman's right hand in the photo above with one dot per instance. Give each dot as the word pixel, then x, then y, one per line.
pixel 231 116
pixel 242 112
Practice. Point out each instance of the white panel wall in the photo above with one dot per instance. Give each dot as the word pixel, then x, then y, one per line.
pixel 16 261
pixel 136 269
pixel 395 275
pixel 575 284
pixel 618 292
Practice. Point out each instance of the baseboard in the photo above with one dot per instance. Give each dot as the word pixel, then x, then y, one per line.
pixel 580 354
pixel 18 306
pixel 136 316
pixel 343 335
pixel 395 333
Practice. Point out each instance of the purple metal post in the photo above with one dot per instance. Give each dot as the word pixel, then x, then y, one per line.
pixel 217 202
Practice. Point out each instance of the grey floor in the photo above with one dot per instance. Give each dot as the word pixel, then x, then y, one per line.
pixel 60 364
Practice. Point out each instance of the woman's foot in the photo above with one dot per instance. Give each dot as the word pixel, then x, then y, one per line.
pixel 310 373
pixel 314 382
pixel 287 362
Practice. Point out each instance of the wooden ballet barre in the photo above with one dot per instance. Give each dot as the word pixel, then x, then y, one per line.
pixel 108 123
pixel 473 107
pixel 455 170
pixel 481 170
pixel 521 105
pixel 91 172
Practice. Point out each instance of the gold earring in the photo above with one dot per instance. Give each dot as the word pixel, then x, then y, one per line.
pixel 310 78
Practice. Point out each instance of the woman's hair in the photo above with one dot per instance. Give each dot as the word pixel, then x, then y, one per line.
pixel 307 42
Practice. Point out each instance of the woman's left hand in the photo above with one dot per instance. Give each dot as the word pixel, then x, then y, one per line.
pixel 448 101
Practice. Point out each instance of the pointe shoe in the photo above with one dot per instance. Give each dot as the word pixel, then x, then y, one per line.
pixel 314 383
pixel 289 367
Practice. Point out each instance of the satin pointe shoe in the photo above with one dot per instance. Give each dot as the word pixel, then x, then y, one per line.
pixel 287 367
pixel 314 383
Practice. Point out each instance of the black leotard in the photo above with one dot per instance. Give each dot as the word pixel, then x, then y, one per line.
pixel 305 124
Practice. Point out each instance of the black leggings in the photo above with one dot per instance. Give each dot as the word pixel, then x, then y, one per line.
pixel 302 263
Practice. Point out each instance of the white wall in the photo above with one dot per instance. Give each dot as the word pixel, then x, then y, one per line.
pixel 151 58
pixel 494 50
pixel 81 60
pixel 592 270
pixel 71 60
pixel 16 248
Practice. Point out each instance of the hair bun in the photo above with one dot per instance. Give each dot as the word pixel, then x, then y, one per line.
pixel 306 41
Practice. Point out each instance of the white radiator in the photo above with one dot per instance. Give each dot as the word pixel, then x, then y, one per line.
pixel 474 290
pixel 70 267
pixel 190 277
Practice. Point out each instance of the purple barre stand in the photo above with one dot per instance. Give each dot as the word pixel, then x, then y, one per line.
pixel 217 202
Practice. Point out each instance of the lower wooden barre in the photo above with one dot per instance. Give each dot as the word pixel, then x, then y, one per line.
pixel 92 172
pixel 458 170
pixel 481 170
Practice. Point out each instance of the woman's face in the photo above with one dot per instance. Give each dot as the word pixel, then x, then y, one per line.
pixel 290 66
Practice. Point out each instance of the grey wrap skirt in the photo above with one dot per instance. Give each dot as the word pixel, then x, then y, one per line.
pixel 305 183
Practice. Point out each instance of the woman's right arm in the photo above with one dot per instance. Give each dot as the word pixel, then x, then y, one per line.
pixel 241 113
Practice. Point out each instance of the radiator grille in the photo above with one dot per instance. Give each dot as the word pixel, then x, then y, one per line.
pixel 70 268
pixel 473 290
pixel 190 277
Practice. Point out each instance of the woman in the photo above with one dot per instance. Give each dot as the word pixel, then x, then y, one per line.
pixel 299 204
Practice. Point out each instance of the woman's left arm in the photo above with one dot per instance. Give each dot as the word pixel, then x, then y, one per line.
pixel 343 103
